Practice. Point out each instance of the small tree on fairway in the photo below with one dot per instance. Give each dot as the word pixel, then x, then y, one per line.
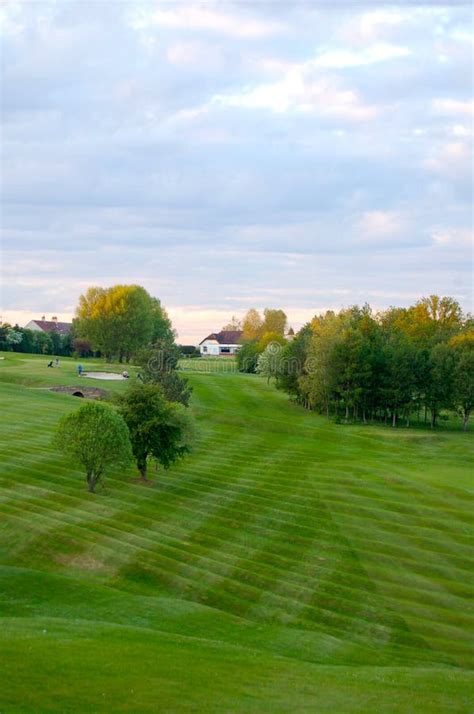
pixel 95 437
pixel 158 428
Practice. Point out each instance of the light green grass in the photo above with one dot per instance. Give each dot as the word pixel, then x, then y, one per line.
pixel 288 564
pixel 209 365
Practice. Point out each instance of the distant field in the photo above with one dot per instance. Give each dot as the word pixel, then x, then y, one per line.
pixel 288 564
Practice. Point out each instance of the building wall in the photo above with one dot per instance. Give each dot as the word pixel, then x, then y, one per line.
pixel 213 349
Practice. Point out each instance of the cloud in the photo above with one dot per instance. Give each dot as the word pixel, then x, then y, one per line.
pixel 298 91
pixel 341 59
pixel 453 237
pixel 454 106
pixel 189 17
pixel 382 225
pixel 307 155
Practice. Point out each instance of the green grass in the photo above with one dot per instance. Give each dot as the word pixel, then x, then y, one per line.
pixel 209 365
pixel 288 564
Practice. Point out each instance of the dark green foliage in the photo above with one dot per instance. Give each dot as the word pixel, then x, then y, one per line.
pixel 95 437
pixel 247 357
pixel 159 365
pixel 18 339
pixel 158 428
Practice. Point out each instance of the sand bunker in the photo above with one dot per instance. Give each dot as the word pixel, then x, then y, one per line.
pixel 103 375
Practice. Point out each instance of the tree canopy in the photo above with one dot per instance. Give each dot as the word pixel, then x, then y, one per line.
pixel 389 366
pixel 96 438
pixel 158 428
pixel 120 320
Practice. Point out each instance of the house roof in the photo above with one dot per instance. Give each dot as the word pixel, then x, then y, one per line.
pixel 225 337
pixel 62 328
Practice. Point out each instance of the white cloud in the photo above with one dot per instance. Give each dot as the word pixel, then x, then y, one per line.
pixel 453 237
pixel 340 59
pixel 382 224
pixel 199 18
pixel 454 106
pixel 299 91
pixel 454 158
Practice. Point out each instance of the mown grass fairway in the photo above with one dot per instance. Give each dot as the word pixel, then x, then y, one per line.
pixel 288 564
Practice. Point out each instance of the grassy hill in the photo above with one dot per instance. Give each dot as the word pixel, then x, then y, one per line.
pixel 288 564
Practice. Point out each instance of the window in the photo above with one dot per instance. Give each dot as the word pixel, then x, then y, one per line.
pixel 204 348
pixel 225 350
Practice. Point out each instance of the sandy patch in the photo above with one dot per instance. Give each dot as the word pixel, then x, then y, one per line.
pixel 103 375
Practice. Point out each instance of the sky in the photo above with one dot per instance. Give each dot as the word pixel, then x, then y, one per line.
pixel 228 155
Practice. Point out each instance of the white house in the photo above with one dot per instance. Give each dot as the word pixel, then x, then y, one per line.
pixel 221 344
pixel 48 326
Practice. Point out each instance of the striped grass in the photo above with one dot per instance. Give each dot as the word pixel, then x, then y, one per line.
pixel 341 556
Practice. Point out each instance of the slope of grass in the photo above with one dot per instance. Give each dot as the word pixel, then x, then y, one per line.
pixel 287 564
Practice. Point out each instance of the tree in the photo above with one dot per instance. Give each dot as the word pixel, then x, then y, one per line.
pixel 247 357
pixel 83 348
pixel 252 325
pixel 463 375
pixel 274 321
pixel 159 365
pixel 268 362
pixel 234 325
pixel 120 320
pixel 14 337
pixel 439 393
pixel 269 338
pixel 96 437
pixel 158 428
pixel 162 329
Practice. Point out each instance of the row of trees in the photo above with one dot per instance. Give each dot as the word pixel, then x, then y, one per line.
pixel 257 332
pixel 254 326
pixel 115 323
pixel 397 364
pixel 18 339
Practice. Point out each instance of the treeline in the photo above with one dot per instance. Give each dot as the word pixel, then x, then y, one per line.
pixel 115 323
pixel 18 339
pixel 257 333
pixel 389 366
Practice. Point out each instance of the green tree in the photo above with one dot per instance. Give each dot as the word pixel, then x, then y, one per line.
pixel 440 388
pixel 96 438
pixel 159 365
pixel 158 428
pixel 120 320
pixel 269 361
pixel 463 375
pixel 247 357
pixel 162 329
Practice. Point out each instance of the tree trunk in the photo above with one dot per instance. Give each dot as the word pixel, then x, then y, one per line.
pixel 465 420
pixel 90 482
pixel 394 418
pixel 142 468
pixel 347 412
